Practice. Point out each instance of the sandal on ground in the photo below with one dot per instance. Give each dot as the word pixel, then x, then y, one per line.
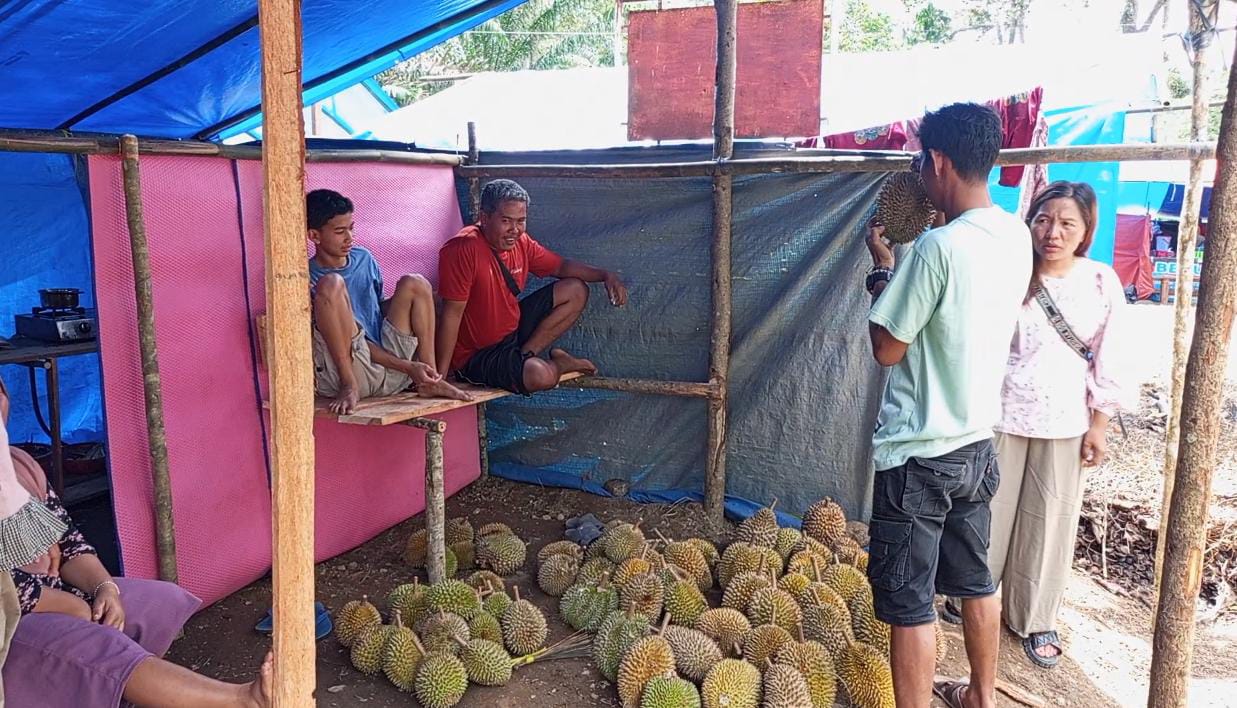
pixel 1032 644
pixel 950 692
pixel 951 613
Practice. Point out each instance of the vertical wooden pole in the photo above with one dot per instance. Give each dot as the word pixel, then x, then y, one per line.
pixel 435 498
pixel 165 531
pixel 719 341
pixel 1173 644
pixel 1186 239
pixel 290 362
pixel 474 184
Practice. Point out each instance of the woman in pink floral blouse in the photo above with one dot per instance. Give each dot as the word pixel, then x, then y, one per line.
pixel 1060 391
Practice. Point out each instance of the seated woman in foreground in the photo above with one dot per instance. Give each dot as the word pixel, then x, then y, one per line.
pixel 78 644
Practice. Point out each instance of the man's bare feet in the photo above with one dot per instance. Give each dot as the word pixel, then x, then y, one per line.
pixel 345 402
pixel 567 363
pixel 442 389
pixel 260 692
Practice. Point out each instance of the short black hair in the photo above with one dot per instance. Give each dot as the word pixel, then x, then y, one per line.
pixel 968 133
pixel 322 205
pixel 499 191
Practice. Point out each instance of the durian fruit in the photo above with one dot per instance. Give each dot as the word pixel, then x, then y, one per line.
pixel 402 656
pixel 759 529
pixel 368 649
pixel 816 664
pixel 809 563
pixel 858 531
pixel 739 558
pixel 740 590
pixel 846 580
pixel 865 676
pixel 846 550
pixel 824 521
pixel 560 548
pixel 731 684
pixel 454 596
pixel 449 562
pixel 785 687
pixel 694 652
pixel 623 542
pixel 687 556
pixel 409 600
pixel 648 657
pixel 465 555
pixel 459 530
pixel 441 680
pixel 440 631
pixel 684 602
pixel 655 559
pixel 502 553
pixel 486 580
pixel 669 692
pixel 787 539
pixel 773 606
pixel 643 595
pixel 585 607
pixel 829 625
pixel 861 562
pixel 726 626
pixel 903 207
pixel 807 543
pixel 593 570
pixel 763 642
pixel 794 583
pixel 868 629
pixel 416 548
pixel 493 529
pixel 354 619
pixel 486 662
pixel 707 548
pixel 816 594
pixel 524 627
pixel 629 569
pixel 614 637
pixel 557 573
pixel 485 626
pixel 496 603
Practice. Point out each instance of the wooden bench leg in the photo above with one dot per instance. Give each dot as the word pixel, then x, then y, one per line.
pixel 483 441
pixel 435 497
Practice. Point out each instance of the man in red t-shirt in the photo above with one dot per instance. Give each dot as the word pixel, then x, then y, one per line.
pixel 488 334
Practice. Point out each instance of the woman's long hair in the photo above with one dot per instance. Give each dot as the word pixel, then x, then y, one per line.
pixel 1084 197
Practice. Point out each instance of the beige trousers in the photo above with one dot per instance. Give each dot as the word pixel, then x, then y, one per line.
pixel 1034 522
pixel 10 612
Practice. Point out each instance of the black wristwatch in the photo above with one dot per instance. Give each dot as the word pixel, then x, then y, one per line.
pixel 876 274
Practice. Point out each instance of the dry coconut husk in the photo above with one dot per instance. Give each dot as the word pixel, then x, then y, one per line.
pixel 903 207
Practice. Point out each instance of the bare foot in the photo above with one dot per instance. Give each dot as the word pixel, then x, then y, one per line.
pixel 260 692
pixel 442 389
pixel 345 402
pixel 567 363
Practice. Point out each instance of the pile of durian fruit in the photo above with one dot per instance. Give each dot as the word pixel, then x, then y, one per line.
pixel 443 637
pixel 794 627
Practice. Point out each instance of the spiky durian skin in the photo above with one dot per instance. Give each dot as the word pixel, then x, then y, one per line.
pixel 524 628
pixel 454 596
pixel 726 626
pixel 864 674
pixel 441 681
pixel 623 542
pixel 692 561
pixel 774 606
pixel 584 607
pixel 903 206
pixel 669 692
pixel 759 529
pixel 594 570
pixel 557 573
pixel 353 619
pixel 707 548
pixel 829 625
pixel 502 553
pixel 617 632
pixel 787 539
pixel 739 592
pixel 731 684
pixel 485 626
pixel 401 659
pixel 458 530
pixel 465 556
pixel 785 687
pixel 493 529
pixel 824 521
pixel 439 631
pixel 416 547
pixel 486 580
pixel 643 595
pixel 367 651
pixel 648 657
pixel 560 548
pixel 847 580
pixel 684 603
pixel 694 652
pixel 763 642
pixel 496 604
pixel 816 664
pixel 486 662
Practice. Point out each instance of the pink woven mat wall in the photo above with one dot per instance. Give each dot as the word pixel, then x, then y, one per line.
pixel 367 479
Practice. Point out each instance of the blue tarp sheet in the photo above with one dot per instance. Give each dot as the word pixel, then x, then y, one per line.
pixel 183 68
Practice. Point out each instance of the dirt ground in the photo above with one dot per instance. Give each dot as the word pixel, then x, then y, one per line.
pixel 1107 636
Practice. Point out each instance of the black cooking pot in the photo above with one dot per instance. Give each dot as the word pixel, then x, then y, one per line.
pixel 59 298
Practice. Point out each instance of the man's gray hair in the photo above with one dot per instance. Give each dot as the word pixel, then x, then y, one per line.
pixel 499 191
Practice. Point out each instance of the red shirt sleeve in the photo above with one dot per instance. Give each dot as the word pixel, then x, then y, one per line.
pixel 541 260
pixel 456 266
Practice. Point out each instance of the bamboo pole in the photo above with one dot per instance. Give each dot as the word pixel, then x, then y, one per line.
pixel 658 388
pixel 1186 238
pixel 290 363
pixel 152 388
pixel 474 184
pixel 435 498
pixel 719 339
pixel 1173 644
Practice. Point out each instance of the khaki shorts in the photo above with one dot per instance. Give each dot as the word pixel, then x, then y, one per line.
pixel 372 379
pixel 10 612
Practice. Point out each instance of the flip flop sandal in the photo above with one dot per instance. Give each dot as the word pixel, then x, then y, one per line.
pixel 950 692
pixel 1037 641
pixel 951 613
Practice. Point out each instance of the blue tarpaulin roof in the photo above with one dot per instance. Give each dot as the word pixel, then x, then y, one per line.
pixel 191 68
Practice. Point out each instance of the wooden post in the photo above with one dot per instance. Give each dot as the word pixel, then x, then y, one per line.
pixel 719 341
pixel 1173 645
pixel 483 441
pixel 1186 238
pixel 165 531
pixel 435 498
pixel 474 184
pixel 290 362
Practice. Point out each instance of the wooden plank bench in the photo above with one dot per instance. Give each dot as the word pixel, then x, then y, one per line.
pixel 413 410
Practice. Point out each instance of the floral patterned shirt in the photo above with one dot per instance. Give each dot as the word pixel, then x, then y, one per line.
pixel 72 544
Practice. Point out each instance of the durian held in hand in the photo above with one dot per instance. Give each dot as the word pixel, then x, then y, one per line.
pixel 903 207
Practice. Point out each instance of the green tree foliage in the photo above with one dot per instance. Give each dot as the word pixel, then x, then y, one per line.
pixel 929 23
pixel 867 30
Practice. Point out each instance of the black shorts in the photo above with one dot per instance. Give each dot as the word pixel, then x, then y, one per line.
pixel 929 532
pixel 502 365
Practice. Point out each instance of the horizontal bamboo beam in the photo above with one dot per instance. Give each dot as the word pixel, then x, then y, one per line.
pixel 110 145
pixel 657 388
pixel 1135 152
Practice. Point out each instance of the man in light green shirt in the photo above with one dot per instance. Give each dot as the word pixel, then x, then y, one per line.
pixel 943 324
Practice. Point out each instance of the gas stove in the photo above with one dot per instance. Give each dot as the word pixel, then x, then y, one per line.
pixel 46 324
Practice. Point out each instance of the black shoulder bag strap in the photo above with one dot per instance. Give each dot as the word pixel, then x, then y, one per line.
pixel 507 276
pixel 1058 322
